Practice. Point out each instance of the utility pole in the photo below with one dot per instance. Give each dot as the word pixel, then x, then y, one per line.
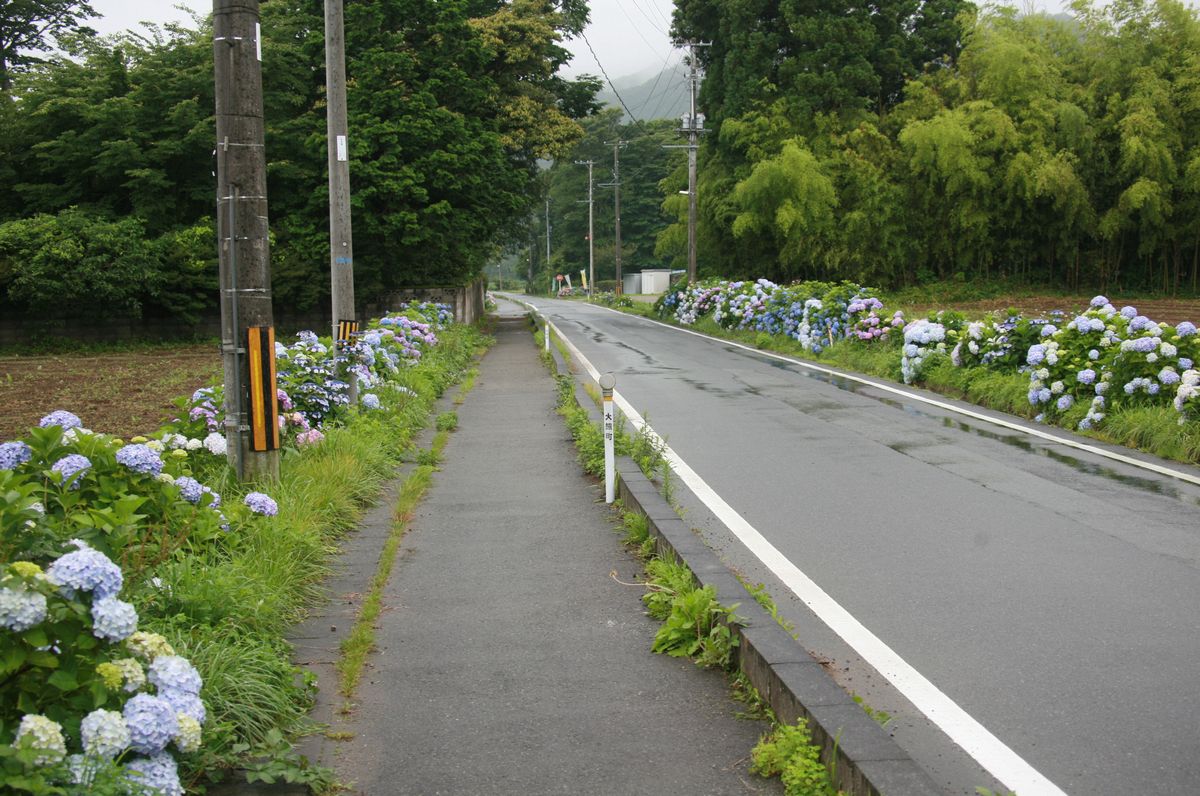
pixel 591 243
pixel 616 186
pixel 549 270
pixel 247 322
pixel 693 126
pixel 341 243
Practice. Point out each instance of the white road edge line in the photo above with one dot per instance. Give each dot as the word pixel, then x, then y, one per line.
pixel 995 421
pixel 975 739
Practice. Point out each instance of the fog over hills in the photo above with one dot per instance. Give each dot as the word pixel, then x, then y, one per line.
pixel 651 94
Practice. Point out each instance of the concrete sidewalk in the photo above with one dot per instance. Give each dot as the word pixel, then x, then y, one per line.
pixel 509 661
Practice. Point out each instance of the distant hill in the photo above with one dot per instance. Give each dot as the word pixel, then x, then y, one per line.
pixel 651 95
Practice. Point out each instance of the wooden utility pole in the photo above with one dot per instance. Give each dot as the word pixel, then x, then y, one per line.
pixel 616 186
pixel 341 243
pixel 591 235
pixel 247 333
pixel 693 126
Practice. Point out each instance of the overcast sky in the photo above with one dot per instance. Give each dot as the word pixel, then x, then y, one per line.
pixel 629 36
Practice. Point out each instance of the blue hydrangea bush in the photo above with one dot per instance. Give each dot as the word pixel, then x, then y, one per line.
pixel 310 377
pixel 88 703
pixel 815 314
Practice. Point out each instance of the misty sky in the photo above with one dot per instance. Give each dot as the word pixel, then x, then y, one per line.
pixel 629 36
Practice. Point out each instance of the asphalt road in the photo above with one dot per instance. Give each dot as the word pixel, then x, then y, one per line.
pixel 1050 593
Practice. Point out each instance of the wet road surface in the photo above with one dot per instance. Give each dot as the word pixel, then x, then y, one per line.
pixel 1050 593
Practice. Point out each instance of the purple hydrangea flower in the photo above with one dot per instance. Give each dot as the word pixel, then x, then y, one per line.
pixel 113 619
pixel 189 488
pixel 1129 312
pixel 1037 353
pixel 261 504
pixel 1087 376
pixel 370 400
pixel 157 774
pixel 1064 402
pixel 61 417
pixel 185 703
pixel 1144 345
pixel 1185 363
pixel 85 569
pixel 1098 302
pixel 71 468
pixel 1168 376
pixel 14 454
pixel 1185 329
pixel 140 459
pixel 174 673
pixel 152 723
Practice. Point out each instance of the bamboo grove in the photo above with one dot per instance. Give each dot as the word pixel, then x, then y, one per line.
pixel 900 142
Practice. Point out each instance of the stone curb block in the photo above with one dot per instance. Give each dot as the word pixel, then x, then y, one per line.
pixel 869 762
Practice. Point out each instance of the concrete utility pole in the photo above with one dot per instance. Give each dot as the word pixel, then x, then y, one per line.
pixel 616 186
pixel 341 242
pixel 693 126
pixel 591 243
pixel 247 333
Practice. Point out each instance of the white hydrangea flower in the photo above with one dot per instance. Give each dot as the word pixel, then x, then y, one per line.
pixel 104 733
pixel 47 738
pixel 188 739
pixel 194 444
pixel 148 646
pixel 215 443
pixel 132 674
pixel 156 446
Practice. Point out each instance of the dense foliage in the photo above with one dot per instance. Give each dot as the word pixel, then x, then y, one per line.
pixel 106 157
pixel 924 141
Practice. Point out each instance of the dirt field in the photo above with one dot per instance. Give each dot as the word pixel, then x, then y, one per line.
pixel 1170 311
pixel 125 393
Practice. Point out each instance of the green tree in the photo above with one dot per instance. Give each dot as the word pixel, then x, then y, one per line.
pixel 33 26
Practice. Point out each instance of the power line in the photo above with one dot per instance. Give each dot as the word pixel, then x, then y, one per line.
pixel 636 29
pixel 653 24
pixel 671 84
pixel 610 83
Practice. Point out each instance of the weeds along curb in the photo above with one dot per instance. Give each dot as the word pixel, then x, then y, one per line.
pixel 868 761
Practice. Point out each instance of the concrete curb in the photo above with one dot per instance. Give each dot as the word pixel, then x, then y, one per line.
pixel 868 760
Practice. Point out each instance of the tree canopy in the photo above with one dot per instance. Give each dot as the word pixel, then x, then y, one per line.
pixel 451 104
pixel 910 141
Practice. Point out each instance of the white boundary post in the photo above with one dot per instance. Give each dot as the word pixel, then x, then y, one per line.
pixel 546 331
pixel 607 383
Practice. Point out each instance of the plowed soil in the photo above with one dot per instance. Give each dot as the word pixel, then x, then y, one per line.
pixel 1170 311
pixel 126 394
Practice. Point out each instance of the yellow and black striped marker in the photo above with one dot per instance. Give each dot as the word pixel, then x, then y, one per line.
pixel 346 331
pixel 264 399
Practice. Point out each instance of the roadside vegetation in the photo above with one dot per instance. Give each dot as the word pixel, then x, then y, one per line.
pixel 1113 374
pixel 145 595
